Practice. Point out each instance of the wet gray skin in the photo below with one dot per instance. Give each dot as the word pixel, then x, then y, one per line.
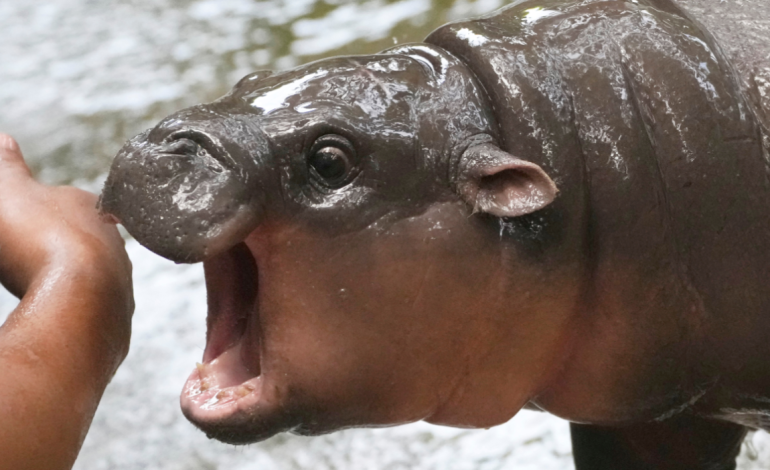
pixel 211 172
pixel 563 205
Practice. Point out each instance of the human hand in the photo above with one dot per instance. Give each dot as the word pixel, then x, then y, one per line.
pixel 43 228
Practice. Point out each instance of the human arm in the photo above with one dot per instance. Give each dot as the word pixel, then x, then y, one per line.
pixel 62 344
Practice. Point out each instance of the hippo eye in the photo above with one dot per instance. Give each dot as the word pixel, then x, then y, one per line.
pixel 331 160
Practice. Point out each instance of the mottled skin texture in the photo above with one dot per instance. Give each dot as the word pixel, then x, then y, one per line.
pixel 563 205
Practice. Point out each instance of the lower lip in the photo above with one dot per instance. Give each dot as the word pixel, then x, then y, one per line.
pixel 206 400
pixel 205 396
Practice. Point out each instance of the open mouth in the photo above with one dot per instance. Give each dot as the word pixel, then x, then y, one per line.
pixel 228 381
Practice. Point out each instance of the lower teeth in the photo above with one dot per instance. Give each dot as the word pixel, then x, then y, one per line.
pixel 207 382
pixel 244 390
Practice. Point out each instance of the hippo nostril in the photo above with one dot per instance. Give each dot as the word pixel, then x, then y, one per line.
pixel 181 147
pixel 196 143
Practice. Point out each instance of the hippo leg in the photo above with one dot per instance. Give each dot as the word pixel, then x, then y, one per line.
pixel 685 442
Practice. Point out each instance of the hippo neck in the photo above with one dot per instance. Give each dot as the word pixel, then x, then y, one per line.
pixel 645 215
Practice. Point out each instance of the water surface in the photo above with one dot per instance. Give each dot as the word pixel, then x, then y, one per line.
pixel 79 77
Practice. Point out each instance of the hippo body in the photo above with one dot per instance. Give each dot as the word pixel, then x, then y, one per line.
pixel 564 205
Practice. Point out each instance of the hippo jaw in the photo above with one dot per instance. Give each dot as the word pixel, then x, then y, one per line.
pixel 225 391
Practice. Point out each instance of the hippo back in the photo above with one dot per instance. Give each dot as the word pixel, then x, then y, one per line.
pixel 657 150
pixel 743 30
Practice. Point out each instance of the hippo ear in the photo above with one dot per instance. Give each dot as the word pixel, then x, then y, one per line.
pixel 494 181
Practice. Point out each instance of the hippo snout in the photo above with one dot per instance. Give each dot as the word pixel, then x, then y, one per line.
pixel 182 193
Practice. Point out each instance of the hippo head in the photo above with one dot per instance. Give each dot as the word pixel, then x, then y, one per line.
pixel 344 212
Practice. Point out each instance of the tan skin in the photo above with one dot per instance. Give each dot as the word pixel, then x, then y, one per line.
pixel 62 344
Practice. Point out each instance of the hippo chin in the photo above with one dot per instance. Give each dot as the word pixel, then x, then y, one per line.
pixel 564 205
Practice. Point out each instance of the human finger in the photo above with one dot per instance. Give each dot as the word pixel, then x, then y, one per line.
pixel 13 168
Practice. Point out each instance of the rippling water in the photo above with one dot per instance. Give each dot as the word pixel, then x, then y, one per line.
pixel 79 77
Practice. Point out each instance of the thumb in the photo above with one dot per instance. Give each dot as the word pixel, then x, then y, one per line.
pixel 12 166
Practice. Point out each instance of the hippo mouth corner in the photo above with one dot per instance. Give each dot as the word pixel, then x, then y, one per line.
pixel 227 386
